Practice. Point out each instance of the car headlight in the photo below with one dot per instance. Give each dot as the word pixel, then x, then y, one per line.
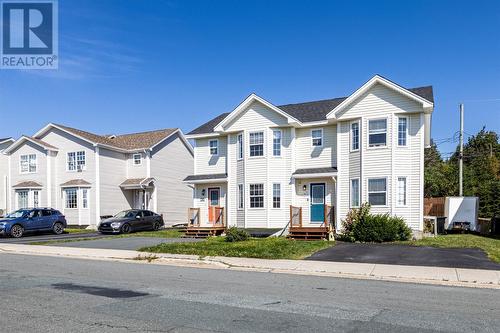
pixel 115 225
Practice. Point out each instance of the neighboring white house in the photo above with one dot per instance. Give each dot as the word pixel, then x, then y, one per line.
pixel 86 176
pixel 260 159
pixel 4 170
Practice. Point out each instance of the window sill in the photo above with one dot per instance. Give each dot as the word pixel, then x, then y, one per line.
pixel 377 147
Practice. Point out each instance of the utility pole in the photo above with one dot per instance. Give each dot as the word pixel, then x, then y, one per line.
pixel 461 156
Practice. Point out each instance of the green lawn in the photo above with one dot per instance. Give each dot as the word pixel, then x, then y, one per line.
pixel 265 248
pixel 166 233
pixel 490 245
pixel 77 231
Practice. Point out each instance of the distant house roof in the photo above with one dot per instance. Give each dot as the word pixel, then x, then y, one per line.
pixel 28 184
pixel 125 141
pixel 75 182
pixel 307 111
pixel 206 177
pixel 136 182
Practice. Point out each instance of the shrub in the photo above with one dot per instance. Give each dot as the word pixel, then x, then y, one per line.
pixel 353 217
pixel 381 228
pixel 234 234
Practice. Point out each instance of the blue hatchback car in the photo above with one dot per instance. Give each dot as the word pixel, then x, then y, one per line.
pixel 37 219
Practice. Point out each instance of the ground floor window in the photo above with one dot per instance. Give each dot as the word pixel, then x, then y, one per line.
pixel 85 198
pixel 71 198
pixel 377 191
pixel 276 195
pixel 256 195
pixel 355 192
pixel 401 198
pixel 241 196
pixel 22 199
pixel 36 199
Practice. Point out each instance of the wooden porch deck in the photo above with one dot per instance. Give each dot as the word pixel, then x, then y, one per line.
pixel 324 231
pixel 194 228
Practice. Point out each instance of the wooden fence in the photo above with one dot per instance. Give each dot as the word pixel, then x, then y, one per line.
pixel 434 206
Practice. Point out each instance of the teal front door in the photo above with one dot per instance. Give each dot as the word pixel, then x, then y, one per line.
pixel 317 203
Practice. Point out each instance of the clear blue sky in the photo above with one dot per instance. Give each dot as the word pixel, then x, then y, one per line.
pixel 128 66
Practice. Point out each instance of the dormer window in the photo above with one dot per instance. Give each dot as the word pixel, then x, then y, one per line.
pixel 137 159
pixel 214 147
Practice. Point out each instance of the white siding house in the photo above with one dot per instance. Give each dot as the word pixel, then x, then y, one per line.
pixel 87 176
pixel 260 159
pixel 4 173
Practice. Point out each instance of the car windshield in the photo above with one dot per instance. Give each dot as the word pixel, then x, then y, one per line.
pixel 18 213
pixel 126 213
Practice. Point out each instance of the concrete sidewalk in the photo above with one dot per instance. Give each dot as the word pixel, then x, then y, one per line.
pixel 414 274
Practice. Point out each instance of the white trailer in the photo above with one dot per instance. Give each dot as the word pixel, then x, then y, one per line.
pixel 461 212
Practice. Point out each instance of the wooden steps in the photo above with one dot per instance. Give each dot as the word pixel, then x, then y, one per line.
pixel 203 232
pixel 309 233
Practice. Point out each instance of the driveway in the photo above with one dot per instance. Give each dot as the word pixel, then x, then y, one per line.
pixel 125 243
pixel 406 255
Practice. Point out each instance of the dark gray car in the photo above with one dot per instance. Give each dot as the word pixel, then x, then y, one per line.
pixel 131 220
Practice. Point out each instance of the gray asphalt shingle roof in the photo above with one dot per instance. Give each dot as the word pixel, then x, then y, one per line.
pixel 314 170
pixel 206 177
pixel 308 111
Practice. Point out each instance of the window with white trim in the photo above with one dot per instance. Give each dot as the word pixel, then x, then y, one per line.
pixel 239 139
pixel 28 163
pixel 256 195
pixel 85 198
pixel 76 161
pixel 276 142
pixel 317 137
pixel 401 191
pixel 71 198
pixel 355 192
pixel 277 195
pixel 241 196
pixel 256 144
pixel 377 191
pixel 354 136
pixel 36 199
pixel 402 131
pixel 22 199
pixel 137 159
pixel 214 147
pixel 377 133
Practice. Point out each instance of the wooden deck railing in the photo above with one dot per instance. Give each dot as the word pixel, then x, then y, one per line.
pixel 295 217
pixel 329 220
pixel 193 217
pixel 219 216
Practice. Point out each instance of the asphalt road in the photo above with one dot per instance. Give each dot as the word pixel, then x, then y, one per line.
pixel 43 237
pixel 44 294
pixel 406 255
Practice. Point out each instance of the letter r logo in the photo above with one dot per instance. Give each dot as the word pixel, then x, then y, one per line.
pixel 27 27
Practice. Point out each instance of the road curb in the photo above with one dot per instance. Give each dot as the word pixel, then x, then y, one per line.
pixel 476 278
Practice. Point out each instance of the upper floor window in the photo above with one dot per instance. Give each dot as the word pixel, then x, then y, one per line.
pixel 354 136
pixel 137 159
pixel 76 161
pixel 214 147
pixel 377 136
pixel 28 163
pixel 402 130
pixel 377 191
pixel 240 146
pixel 256 195
pixel 276 142
pixel 257 144
pixel 317 137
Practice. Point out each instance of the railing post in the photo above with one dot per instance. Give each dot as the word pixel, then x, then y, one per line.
pixel 300 217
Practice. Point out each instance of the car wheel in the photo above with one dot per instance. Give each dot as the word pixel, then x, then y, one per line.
pixel 17 231
pixel 156 226
pixel 126 228
pixel 58 228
